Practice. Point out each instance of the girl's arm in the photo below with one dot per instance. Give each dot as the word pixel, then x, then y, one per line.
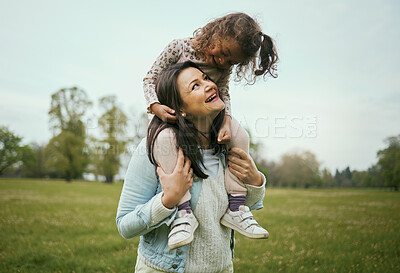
pixel 225 133
pixel 223 87
pixel 168 56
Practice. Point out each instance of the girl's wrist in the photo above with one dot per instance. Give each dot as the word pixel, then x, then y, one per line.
pixel 154 106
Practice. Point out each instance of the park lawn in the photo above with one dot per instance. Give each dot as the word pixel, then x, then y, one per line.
pixel 54 226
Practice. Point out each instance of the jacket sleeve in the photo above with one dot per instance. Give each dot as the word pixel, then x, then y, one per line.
pixel 139 194
pixel 255 195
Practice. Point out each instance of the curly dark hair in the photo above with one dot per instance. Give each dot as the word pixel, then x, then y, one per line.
pixel 245 30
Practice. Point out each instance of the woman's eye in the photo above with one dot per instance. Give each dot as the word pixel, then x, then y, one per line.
pixel 207 78
pixel 195 86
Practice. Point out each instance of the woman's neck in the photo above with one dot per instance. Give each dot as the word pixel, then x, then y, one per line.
pixel 203 126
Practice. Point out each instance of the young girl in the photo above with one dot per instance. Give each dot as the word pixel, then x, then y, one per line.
pixel 233 40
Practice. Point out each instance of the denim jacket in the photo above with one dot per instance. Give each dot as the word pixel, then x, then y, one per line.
pixel 141 188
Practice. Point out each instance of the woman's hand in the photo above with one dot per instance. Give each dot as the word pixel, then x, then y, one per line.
pixel 224 134
pixel 165 113
pixel 242 166
pixel 176 184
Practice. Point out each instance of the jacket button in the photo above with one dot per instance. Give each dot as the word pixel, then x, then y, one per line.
pixel 174 266
pixel 180 251
pixel 196 179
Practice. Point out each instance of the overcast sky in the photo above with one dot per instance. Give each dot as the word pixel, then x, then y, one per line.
pixel 337 94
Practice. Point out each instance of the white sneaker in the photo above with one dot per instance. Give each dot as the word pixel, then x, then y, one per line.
pixel 242 221
pixel 182 229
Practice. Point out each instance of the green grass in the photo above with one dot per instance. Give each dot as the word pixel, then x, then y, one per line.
pixel 53 226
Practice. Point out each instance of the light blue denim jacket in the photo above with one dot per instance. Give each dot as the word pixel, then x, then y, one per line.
pixel 141 188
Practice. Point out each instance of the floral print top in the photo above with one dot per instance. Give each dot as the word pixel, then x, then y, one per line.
pixel 182 50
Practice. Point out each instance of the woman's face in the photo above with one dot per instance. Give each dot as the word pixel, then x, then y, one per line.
pixel 199 94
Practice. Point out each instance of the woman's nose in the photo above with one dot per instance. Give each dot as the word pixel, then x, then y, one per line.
pixel 209 86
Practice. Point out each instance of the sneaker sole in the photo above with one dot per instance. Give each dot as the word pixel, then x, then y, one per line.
pixel 243 232
pixel 184 242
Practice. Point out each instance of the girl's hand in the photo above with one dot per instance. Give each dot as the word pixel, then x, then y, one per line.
pixel 165 113
pixel 224 134
pixel 242 166
pixel 176 184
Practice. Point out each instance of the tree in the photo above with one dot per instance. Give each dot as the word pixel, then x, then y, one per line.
pixel 11 151
pixel 33 161
pixel 113 124
pixel 344 178
pixel 298 170
pixel 65 152
pixel 327 179
pixel 28 161
pixel 389 162
pixel 66 156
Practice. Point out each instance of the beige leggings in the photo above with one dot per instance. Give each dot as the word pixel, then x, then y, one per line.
pixel 240 139
pixel 141 267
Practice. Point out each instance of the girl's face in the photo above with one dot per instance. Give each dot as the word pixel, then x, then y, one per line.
pixel 225 53
pixel 199 94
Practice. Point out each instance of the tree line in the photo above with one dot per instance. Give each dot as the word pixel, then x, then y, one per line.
pixel 78 146
pixel 303 170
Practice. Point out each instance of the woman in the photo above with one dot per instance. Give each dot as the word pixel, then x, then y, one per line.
pixel 148 205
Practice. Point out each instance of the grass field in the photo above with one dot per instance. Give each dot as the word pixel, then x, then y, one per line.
pixel 52 226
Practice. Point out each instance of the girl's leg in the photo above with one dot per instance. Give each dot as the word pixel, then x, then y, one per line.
pixel 184 225
pixel 237 191
pixel 238 216
pixel 184 203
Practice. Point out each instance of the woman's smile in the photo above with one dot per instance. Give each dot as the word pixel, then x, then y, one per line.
pixel 212 98
pixel 199 94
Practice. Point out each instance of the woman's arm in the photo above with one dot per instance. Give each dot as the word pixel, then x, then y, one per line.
pixel 242 165
pixel 140 209
pixel 138 195
pixel 172 161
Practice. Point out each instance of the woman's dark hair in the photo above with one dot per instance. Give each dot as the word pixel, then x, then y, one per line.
pixel 186 134
pixel 245 30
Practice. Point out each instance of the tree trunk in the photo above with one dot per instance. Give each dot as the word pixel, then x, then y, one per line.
pixel 109 178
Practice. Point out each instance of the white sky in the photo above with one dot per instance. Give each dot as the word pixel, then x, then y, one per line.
pixel 338 67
